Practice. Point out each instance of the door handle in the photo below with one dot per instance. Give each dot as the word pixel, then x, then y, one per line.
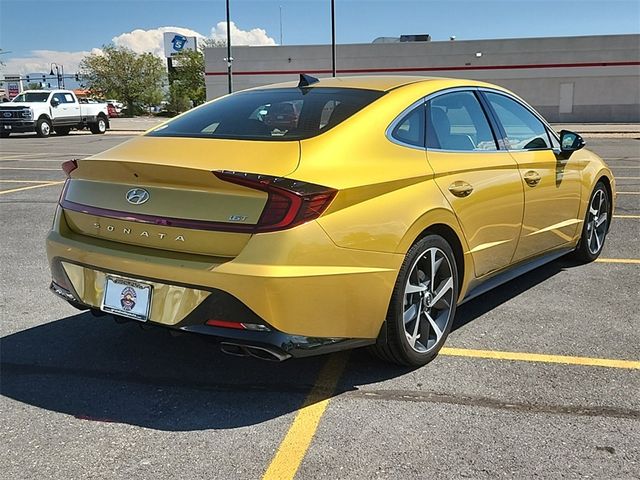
pixel 532 178
pixel 460 189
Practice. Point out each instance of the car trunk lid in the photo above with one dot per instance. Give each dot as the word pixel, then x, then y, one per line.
pixel 162 192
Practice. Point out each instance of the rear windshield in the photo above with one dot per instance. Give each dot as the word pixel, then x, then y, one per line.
pixel 274 114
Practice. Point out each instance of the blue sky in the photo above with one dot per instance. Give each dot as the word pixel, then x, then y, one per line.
pixel 74 26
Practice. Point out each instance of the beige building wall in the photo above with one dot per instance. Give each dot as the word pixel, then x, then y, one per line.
pixel 568 79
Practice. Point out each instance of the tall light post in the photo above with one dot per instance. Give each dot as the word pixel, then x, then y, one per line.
pixel 229 58
pixel 59 68
pixel 281 42
pixel 333 37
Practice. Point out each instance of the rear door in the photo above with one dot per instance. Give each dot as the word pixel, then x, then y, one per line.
pixel 551 184
pixel 480 181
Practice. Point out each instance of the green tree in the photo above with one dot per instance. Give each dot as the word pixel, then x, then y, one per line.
pixel 135 79
pixel 178 100
pixel 211 42
pixel 187 77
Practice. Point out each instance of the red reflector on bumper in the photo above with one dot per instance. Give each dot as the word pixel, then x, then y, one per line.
pixel 225 324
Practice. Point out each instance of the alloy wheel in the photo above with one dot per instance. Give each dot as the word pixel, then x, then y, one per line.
pixel 597 221
pixel 428 300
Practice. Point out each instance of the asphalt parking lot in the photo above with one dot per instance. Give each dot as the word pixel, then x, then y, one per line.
pixel 540 378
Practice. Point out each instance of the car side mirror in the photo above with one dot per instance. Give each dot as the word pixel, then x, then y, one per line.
pixel 570 142
pixel 55 102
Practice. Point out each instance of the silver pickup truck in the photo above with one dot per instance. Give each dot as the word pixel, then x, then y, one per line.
pixel 45 111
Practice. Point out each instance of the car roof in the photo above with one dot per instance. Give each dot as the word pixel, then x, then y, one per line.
pixel 382 83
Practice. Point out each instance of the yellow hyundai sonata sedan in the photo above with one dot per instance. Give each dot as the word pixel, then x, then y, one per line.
pixel 313 216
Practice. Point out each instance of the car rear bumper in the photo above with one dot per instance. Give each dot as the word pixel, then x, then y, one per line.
pixel 329 303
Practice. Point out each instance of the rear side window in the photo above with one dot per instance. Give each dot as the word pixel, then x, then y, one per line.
pixel 524 130
pixel 410 129
pixel 456 121
pixel 274 114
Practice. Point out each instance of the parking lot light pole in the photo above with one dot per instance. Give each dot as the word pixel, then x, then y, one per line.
pixel 333 37
pixel 59 68
pixel 229 58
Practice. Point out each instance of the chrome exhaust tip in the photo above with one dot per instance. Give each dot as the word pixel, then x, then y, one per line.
pixel 233 349
pixel 261 353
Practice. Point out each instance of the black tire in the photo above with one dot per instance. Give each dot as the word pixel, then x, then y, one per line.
pixel 63 130
pixel 43 128
pixel 398 348
pixel 100 126
pixel 592 239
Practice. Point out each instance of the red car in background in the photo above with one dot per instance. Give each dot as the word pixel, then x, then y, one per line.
pixel 111 110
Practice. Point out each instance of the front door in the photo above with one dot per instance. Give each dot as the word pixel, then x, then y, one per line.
pixel 481 182
pixel 551 185
pixel 67 111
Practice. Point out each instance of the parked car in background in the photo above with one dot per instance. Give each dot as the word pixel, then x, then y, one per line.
pixel 297 219
pixel 111 110
pixel 45 111
pixel 116 104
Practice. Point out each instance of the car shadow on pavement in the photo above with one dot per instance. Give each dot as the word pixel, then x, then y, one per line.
pixel 475 308
pixel 95 369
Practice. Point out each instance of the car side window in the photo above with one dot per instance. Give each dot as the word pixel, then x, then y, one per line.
pixel 456 121
pixel 410 129
pixel 68 98
pixel 523 129
pixel 59 97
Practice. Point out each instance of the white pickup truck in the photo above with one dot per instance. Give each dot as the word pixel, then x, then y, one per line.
pixel 43 111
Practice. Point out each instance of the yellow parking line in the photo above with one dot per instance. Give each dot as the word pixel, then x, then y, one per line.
pixel 617 260
pixel 32 168
pixel 626 216
pixel 25 181
pixel 48 184
pixel 12 156
pixel 536 357
pixel 291 451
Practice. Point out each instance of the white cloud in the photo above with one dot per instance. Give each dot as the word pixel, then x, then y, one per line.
pixel 140 41
pixel 254 37
pixel 40 61
pixel 151 41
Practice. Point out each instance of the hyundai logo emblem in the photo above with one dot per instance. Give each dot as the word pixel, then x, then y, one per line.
pixel 6 114
pixel 137 196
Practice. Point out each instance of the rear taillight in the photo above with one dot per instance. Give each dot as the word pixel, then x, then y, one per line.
pixel 69 166
pixel 289 202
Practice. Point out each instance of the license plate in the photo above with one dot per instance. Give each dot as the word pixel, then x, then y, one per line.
pixel 128 298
